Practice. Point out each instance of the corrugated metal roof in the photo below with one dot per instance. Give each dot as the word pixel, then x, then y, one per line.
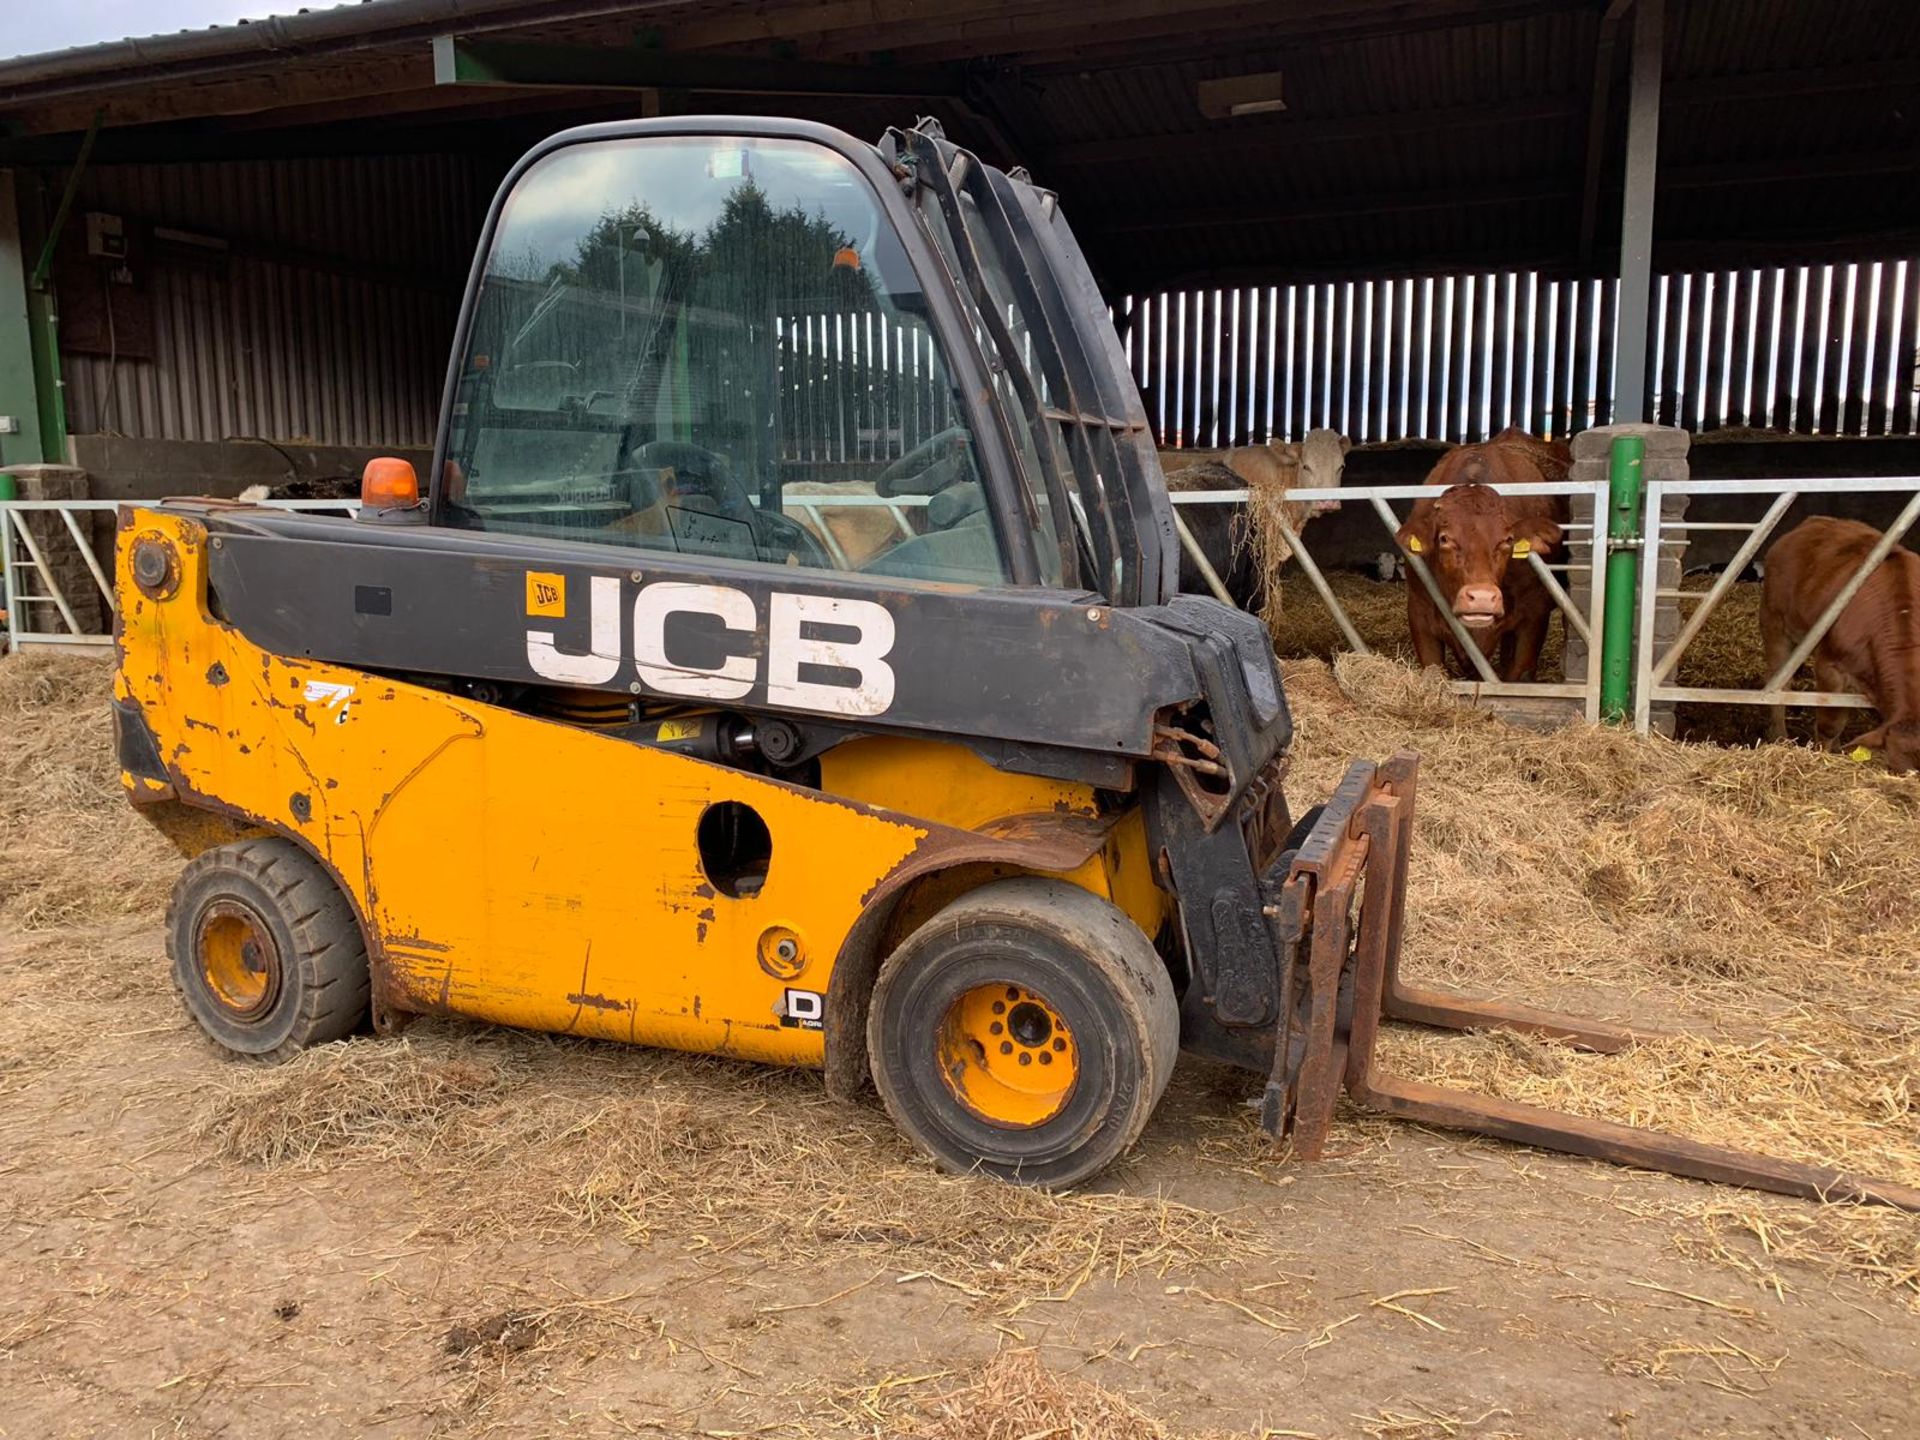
pixel 1417 134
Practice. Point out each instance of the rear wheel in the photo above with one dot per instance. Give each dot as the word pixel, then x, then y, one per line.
pixel 1027 1030
pixel 265 950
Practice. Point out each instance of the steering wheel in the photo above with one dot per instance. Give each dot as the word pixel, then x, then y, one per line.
pixel 785 541
pixel 699 471
pixel 921 472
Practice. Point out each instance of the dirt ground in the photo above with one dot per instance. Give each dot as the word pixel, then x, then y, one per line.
pixel 473 1232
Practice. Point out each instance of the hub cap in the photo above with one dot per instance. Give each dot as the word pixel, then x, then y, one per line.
pixel 1007 1055
pixel 238 959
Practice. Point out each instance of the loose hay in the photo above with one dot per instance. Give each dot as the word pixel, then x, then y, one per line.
pixel 68 852
pixel 1761 898
pixel 1015 1397
pixel 529 1131
pixel 1263 527
pixel 371 1094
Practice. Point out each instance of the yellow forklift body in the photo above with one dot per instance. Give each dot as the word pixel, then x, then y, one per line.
pixel 536 874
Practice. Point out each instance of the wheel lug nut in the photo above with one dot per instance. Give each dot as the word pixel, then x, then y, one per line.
pixel 1013 992
pixel 996 1027
pixel 999 1007
pixel 1046 1057
pixel 1006 1047
pixel 1060 1045
pixel 1025 1058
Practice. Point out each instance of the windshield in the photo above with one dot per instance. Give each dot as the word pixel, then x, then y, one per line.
pixel 713 345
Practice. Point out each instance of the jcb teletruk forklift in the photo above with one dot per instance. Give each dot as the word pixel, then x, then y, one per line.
pixel 604 731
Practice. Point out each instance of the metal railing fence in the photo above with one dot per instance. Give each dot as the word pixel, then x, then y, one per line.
pixel 1655 667
pixel 1585 621
pixel 41 608
pixel 34 585
pixel 31 582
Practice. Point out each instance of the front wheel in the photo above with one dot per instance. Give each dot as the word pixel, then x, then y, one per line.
pixel 1027 1030
pixel 266 952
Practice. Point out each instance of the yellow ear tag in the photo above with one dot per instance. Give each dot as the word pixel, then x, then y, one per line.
pixel 1413 544
pixel 1859 754
pixel 1522 549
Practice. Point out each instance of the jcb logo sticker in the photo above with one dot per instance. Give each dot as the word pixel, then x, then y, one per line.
pixel 546 594
pixel 808 640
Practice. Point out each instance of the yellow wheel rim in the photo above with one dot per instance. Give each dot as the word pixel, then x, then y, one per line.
pixel 238 959
pixel 1007 1055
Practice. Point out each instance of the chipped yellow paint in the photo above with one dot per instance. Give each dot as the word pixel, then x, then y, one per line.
pixel 530 873
pixel 950 785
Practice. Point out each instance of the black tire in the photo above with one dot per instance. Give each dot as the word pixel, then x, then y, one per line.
pixel 266 953
pixel 1079 961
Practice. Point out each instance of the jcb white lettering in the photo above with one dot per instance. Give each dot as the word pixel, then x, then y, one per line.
pixel 789 647
pixel 728 680
pixel 842 644
pixel 602 660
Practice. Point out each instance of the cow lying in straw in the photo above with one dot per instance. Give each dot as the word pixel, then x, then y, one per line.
pixel 1248 545
pixel 1475 541
pixel 1874 645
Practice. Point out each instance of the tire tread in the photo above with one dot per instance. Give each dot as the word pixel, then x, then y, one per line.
pixel 327 965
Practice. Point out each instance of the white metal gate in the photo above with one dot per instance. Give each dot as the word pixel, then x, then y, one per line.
pixel 39 608
pixel 1655 668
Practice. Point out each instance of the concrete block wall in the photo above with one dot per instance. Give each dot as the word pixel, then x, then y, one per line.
pixel 1666 459
pixel 62 556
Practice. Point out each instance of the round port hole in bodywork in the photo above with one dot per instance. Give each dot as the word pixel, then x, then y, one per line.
pixel 736 848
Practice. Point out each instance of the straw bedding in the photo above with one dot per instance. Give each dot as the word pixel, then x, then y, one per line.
pixel 69 852
pixel 1760 899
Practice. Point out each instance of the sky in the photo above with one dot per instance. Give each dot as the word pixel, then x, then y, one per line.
pixel 29 27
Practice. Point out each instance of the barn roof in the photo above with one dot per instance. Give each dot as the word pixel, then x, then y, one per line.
pixel 1409 134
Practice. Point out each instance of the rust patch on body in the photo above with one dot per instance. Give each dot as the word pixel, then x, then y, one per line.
pixel 598 1002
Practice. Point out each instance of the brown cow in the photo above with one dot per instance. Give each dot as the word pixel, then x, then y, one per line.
pixel 1874 645
pixel 1468 537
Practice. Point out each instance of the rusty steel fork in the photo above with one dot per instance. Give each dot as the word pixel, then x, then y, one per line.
pixel 1345 979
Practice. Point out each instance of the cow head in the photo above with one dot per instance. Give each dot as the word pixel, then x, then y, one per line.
pixel 1897 744
pixel 1323 463
pixel 1468 537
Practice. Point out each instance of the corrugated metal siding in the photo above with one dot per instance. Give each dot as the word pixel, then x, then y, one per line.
pixel 1809 349
pixel 329 320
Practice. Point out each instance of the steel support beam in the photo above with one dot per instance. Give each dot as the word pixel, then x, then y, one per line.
pixel 590 67
pixel 1636 219
pixel 1597 124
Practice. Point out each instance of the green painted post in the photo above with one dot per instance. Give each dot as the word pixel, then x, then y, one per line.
pixel 50 399
pixel 1624 464
pixel 19 386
